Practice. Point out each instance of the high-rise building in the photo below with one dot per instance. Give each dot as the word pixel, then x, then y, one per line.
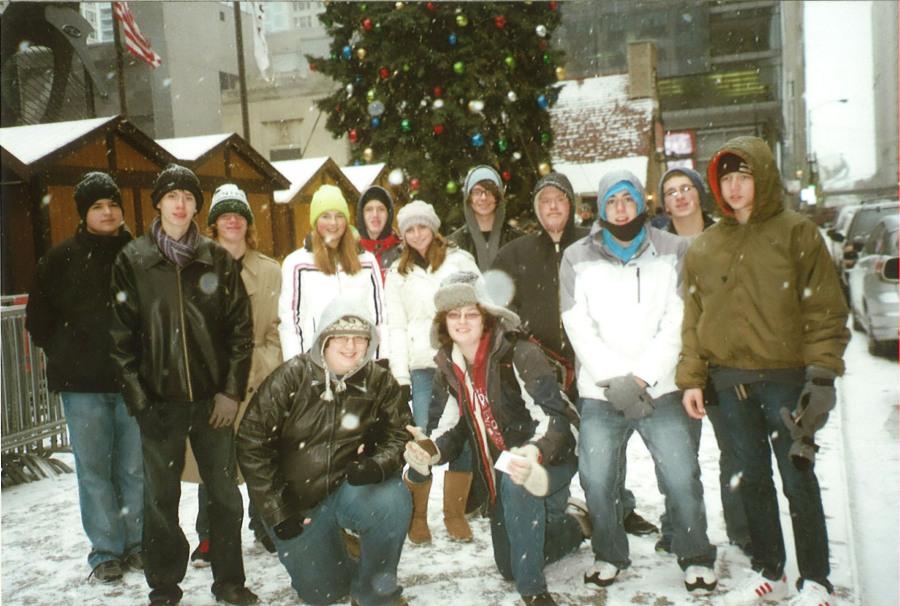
pixel 725 68
pixel 884 65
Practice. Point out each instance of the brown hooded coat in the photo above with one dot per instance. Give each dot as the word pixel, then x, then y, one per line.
pixel 759 295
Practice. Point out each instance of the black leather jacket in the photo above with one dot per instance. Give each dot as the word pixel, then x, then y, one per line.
pixel 179 334
pixel 294 447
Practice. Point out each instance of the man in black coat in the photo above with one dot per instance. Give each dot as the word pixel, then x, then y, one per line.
pixel 532 262
pixel 183 341
pixel 68 316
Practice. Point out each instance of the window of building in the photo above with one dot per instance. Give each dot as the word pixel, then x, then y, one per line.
pixel 227 81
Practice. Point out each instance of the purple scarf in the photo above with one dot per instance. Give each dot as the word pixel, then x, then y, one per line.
pixel 181 251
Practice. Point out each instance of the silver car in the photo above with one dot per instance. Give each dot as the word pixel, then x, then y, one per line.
pixel 874 287
pixel 864 220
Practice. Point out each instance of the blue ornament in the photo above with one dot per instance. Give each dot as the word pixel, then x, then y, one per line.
pixel 452 39
pixel 357 163
pixel 542 102
pixel 347 52
pixel 477 140
pixel 358 80
pixel 376 122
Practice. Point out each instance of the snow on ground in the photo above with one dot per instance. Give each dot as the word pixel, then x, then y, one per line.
pixel 44 550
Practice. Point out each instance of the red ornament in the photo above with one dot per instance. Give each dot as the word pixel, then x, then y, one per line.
pixel 367 24
pixel 313 67
pixel 414 184
pixel 438 91
pixel 438 129
pixel 354 136
pixel 543 44
pixel 553 5
pixel 429 6
pixel 500 21
pixel 506 175
pixel 384 73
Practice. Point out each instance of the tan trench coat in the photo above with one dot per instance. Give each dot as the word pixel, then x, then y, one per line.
pixel 262 279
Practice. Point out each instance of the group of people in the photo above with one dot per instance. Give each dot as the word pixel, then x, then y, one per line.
pixel 334 385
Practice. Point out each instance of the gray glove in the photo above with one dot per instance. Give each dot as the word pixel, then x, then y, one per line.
pixel 815 402
pixel 628 397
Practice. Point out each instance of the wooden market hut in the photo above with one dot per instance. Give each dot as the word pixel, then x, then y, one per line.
pixel 306 176
pixel 42 163
pixel 228 158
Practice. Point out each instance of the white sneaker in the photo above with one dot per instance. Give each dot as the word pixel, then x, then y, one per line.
pixel 700 578
pixel 756 589
pixel 812 594
pixel 601 574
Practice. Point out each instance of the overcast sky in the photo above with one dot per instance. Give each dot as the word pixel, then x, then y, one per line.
pixel 839 65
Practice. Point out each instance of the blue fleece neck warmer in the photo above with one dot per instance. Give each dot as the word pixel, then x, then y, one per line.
pixel 623 253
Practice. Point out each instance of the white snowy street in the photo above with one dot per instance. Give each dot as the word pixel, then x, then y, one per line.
pixel 44 549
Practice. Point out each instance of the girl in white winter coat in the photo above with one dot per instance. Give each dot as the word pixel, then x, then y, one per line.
pixel 411 282
pixel 330 264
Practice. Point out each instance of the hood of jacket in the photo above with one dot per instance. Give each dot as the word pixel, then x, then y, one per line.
pixel 347 304
pixel 375 192
pixel 562 183
pixel 768 189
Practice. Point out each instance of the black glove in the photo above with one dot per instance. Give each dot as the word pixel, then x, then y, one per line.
pixel 289 528
pixel 151 423
pixel 628 397
pixel 364 471
pixel 406 392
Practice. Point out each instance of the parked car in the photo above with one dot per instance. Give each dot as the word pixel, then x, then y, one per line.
pixel 862 224
pixel 836 244
pixel 873 283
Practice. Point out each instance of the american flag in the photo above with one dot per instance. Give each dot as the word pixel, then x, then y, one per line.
pixel 135 41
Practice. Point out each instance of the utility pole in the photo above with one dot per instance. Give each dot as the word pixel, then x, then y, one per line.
pixel 242 71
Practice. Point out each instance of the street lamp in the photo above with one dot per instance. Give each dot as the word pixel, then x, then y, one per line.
pixel 812 163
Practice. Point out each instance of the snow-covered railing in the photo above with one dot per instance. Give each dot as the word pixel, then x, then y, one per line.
pixel 33 425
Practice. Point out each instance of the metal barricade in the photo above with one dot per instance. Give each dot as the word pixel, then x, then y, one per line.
pixel 33 425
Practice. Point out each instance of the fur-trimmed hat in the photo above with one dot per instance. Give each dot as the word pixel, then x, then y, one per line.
pixel 175 176
pixel 229 198
pixel 468 288
pixel 418 212
pixel 95 186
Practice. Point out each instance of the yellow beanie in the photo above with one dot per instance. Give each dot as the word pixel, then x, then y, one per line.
pixel 326 198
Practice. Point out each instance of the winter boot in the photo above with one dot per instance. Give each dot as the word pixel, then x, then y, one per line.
pixel 418 524
pixel 456 492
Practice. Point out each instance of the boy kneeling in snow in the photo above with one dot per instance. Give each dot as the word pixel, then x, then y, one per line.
pixel 321 448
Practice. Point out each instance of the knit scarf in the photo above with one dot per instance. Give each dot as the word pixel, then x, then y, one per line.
pixel 181 251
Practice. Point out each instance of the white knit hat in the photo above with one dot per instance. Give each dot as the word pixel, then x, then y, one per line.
pixel 418 212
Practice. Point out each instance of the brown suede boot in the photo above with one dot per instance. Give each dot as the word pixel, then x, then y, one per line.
pixel 418 524
pixel 456 491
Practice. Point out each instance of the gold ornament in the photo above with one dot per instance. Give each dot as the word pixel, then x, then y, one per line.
pixel 368 154
pixel 560 73
pixel 398 5
pixel 360 53
pixel 544 169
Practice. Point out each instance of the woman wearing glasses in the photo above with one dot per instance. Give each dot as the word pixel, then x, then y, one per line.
pixel 486 229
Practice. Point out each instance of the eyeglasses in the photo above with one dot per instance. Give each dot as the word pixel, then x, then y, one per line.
pixel 457 316
pixel 683 190
pixel 477 192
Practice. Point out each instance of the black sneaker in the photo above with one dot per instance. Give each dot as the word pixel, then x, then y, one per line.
pixel 664 544
pixel 135 561
pixel 231 593
pixel 109 571
pixel 200 557
pixel 541 599
pixel 638 526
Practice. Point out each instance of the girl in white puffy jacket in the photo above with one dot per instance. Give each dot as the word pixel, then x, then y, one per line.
pixel 411 282
pixel 330 264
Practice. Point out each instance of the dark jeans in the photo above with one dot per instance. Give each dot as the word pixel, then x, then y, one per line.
pixel 529 532
pixel 202 524
pixel 164 544
pixel 755 427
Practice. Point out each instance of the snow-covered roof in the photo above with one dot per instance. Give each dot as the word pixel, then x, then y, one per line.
pixel 586 177
pixel 298 172
pixel 364 175
pixel 594 120
pixel 31 143
pixel 191 148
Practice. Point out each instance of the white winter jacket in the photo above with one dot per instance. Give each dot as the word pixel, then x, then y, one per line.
pixel 306 292
pixel 623 317
pixel 410 311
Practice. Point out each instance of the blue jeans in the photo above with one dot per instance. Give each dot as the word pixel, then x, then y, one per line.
pixel 529 532
pixel 322 572
pixel 106 442
pixel 421 380
pixel 756 429
pixel 669 435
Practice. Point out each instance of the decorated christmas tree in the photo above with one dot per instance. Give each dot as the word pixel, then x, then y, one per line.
pixel 434 88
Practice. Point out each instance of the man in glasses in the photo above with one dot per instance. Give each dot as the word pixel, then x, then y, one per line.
pixel 684 198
